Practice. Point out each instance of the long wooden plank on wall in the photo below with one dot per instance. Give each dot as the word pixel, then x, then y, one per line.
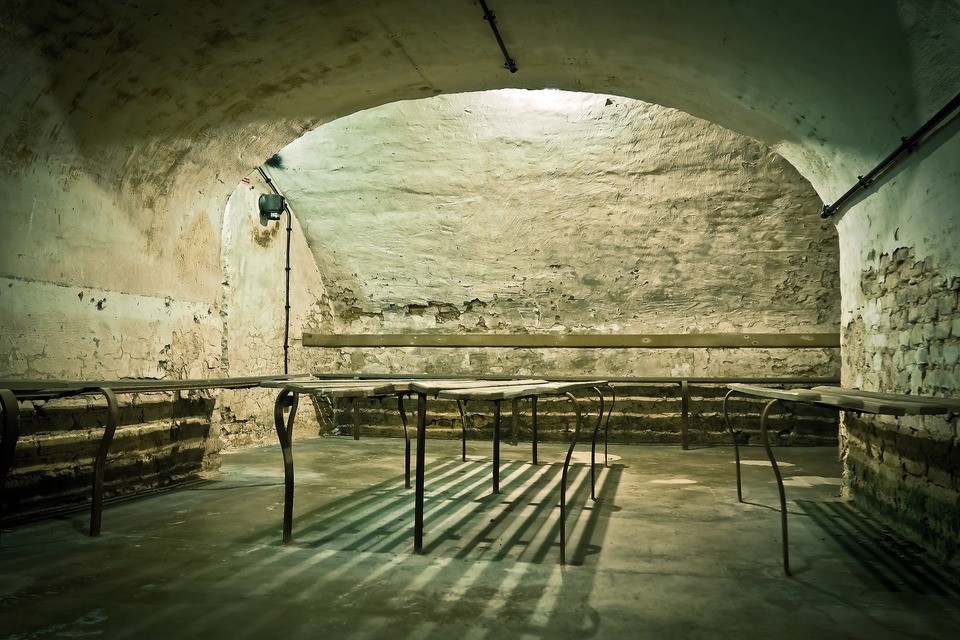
pixel 581 341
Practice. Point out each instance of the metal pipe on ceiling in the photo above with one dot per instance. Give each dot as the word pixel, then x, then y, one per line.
pixel 907 145
pixel 489 16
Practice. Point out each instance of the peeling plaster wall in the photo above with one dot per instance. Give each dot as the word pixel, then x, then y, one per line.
pixel 71 332
pixel 254 260
pixel 533 212
pixel 121 150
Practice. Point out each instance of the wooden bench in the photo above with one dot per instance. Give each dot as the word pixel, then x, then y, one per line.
pixel 684 384
pixel 840 398
pixel 582 341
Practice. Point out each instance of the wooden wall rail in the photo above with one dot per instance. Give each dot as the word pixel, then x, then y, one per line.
pixel 581 341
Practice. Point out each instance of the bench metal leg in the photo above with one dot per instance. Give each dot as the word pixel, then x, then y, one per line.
pixel 463 428
pixel 765 436
pixel 100 463
pixel 685 415
pixel 356 418
pixel 8 439
pixel 285 433
pixel 515 422
pixel 606 427
pixel 563 480
pixel 406 437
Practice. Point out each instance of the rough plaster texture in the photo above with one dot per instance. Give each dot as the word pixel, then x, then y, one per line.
pixel 64 331
pixel 550 211
pixel 254 262
pixel 120 151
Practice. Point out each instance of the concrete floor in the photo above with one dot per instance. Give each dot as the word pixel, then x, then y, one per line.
pixel 667 552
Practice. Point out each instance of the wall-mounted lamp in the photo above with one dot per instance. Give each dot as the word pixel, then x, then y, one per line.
pixel 271 205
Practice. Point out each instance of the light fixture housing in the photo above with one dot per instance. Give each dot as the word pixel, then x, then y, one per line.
pixel 271 205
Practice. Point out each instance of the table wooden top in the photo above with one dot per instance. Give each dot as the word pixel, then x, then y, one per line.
pixel 47 389
pixel 856 400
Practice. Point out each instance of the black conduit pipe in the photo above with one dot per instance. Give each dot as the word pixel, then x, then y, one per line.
pixel 488 15
pixel 286 323
pixel 907 146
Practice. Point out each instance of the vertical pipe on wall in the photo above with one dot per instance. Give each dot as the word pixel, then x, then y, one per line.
pixel 286 322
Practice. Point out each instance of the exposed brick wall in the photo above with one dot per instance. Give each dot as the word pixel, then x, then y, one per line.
pixel 643 414
pixel 907 340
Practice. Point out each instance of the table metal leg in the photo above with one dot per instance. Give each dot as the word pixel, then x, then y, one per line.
pixel 736 447
pixel 685 415
pixel 463 427
pixel 406 437
pixel 8 438
pixel 593 447
pixel 286 398
pixel 515 422
pixel 100 463
pixel 563 481
pixel 783 495
pixel 418 489
pixel 496 446
pixel 533 408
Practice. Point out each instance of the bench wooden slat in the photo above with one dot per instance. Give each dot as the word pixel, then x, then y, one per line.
pixel 48 389
pixel 517 391
pixel 336 390
pixel 615 380
pixel 433 387
pixel 796 395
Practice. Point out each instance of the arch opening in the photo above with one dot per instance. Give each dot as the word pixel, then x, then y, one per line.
pixel 519 211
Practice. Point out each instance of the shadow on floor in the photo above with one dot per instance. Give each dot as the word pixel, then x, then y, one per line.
pixel 463 517
pixel 892 563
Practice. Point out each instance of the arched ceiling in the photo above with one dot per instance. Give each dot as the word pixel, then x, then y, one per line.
pixel 147 113
pixel 132 81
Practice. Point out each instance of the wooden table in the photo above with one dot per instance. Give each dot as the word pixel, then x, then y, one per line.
pixel 461 390
pixel 840 398
pixel 288 399
pixel 14 391
pixel 535 390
